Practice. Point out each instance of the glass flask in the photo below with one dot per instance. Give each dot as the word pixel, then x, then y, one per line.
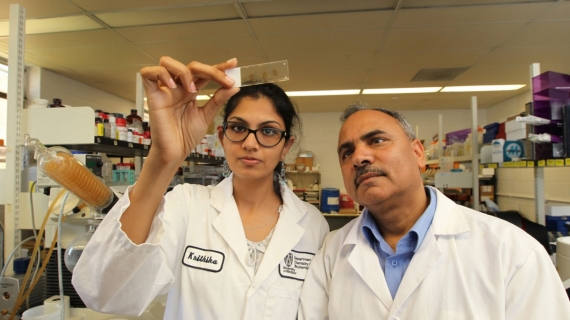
pixel 77 245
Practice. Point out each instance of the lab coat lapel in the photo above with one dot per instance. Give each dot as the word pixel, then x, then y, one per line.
pixel 228 222
pixel 424 260
pixel 365 261
pixel 449 221
pixel 285 237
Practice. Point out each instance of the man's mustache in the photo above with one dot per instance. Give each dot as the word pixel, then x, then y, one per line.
pixel 367 169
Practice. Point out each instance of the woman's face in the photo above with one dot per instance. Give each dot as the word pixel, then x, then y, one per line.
pixel 248 158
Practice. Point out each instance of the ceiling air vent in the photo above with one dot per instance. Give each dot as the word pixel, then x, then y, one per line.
pixel 440 74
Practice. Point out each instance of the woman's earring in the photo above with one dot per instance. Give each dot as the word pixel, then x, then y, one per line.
pixel 282 179
pixel 226 171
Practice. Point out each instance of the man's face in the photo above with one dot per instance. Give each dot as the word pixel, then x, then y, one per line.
pixel 378 161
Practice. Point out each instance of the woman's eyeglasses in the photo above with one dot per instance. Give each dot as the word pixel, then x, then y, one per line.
pixel 267 137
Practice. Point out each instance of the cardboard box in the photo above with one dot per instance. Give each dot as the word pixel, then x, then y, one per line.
pixel 504 151
pixel 487 192
pixel 517 134
pixel 307 162
pixel 514 125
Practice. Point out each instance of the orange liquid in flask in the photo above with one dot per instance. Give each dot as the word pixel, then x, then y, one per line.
pixel 66 170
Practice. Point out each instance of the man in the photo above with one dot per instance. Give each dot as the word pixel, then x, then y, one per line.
pixel 413 253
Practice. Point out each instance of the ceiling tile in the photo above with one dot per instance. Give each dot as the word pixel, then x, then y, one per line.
pixel 256 9
pixel 303 80
pixel 346 41
pixel 61 24
pixel 328 22
pixel 91 38
pixel 560 10
pixel 542 33
pixel 444 3
pixel 452 58
pixel 111 55
pixel 524 56
pixel 44 63
pixel 210 29
pixel 466 15
pixel 39 9
pixel 174 15
pixel 491 75
pixel 205 50
pixel 444 37
pixel 327 62
pixel 110 75
pixel 113 5
pixel 396 78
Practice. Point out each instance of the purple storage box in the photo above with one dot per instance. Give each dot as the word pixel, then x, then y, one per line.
pixel 551 80
pixel 548 103
pixel 456 136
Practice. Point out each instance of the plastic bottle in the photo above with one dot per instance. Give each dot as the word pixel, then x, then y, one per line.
pixel 130 135
pixel 112 128
pixel 100 127
pixel 56 103
pixel 107 126
pixel 121 129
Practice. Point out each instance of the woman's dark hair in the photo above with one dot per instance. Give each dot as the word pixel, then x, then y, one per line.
pixel 281 104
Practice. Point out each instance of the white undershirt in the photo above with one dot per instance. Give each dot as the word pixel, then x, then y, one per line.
pixel 256 250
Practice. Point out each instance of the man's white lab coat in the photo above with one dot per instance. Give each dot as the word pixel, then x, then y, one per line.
pixel 197 252
pixel 469 266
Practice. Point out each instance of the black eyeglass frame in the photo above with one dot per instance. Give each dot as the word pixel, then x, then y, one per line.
pixel 225 127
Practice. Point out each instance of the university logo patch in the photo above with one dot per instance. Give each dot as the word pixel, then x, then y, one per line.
pixel 295 265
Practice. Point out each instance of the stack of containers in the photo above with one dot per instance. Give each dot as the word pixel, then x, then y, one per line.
pixel 551 92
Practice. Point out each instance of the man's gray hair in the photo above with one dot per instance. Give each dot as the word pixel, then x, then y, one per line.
pixel 359 106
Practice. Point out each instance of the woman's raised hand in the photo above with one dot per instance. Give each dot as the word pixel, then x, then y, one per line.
pixel 178 124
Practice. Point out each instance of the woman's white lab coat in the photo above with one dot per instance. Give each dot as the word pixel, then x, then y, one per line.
pixel 197 252
pixel 469 266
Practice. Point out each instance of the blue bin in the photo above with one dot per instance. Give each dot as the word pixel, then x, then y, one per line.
pixel 330 200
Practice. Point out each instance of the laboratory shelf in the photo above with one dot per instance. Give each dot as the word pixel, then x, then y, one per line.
pixel 118 148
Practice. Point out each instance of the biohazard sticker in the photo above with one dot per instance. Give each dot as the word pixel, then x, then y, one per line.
pixel 203 259
pixel 295 265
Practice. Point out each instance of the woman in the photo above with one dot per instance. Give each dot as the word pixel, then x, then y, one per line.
pixel 239 250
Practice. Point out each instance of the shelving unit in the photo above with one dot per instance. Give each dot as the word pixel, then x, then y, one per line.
pixel 302 182
pixel 460 179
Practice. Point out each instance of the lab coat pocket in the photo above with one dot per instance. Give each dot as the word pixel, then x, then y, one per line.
pixel 282 303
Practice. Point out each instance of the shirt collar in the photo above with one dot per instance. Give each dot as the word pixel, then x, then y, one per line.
pixel 420 228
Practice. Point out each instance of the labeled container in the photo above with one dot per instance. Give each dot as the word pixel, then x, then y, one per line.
pixel 122 132
pixel 346 201
pixel 330 200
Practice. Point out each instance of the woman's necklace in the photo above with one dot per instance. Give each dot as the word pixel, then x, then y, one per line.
pixel 267 222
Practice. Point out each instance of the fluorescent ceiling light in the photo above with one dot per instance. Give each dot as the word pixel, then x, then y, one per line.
pixel 322 93
pixel 401 90
pixel 483 88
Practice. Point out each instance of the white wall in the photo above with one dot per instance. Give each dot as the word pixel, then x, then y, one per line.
pixel 320 135
pixel 77 94
pixel 515 105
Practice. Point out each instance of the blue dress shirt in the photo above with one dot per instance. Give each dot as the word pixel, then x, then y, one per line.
pixel 395 264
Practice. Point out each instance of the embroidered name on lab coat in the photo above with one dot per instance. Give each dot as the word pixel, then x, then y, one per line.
pixel 203 259
pixel 295 265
